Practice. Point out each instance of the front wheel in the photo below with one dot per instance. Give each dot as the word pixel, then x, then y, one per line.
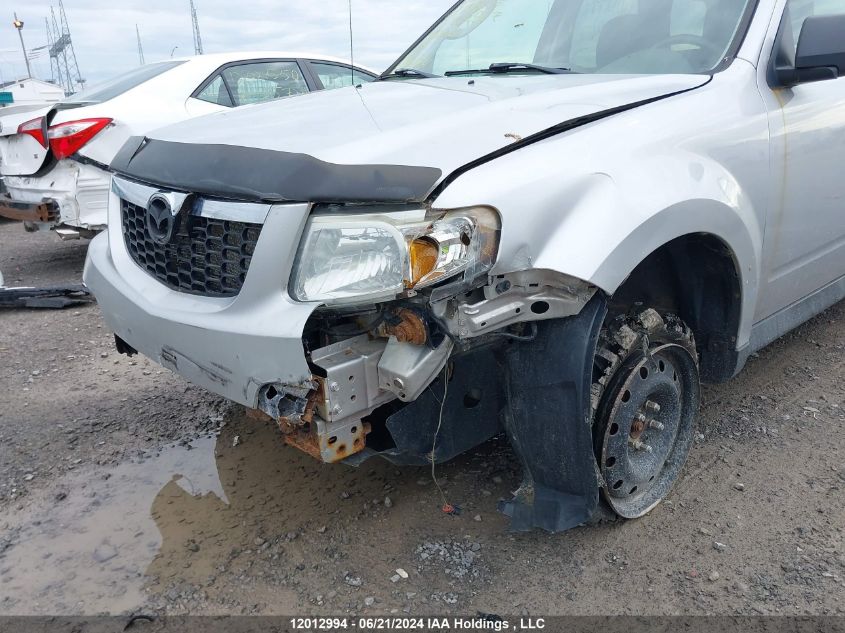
pixel 645 398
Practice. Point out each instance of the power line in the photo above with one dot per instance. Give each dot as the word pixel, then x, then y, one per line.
pixel 50 49
pixel 140 48
pixel 196 28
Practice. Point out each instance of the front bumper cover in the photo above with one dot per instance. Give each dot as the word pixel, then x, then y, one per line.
pixel 232 347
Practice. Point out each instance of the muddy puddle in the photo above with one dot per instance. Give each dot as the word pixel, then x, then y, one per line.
pixel 201 526
pixel 94 545
pixel 108 539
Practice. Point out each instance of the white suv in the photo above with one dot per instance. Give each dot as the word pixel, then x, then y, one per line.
pixel 549 218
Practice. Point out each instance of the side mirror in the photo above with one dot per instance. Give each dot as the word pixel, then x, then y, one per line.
pixel 820 54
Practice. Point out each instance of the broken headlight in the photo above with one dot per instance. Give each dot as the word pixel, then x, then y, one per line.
pixel 366 258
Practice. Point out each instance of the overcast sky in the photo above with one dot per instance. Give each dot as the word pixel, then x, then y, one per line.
pixel 103 31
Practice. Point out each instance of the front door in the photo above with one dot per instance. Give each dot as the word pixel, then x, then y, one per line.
pixel 805 234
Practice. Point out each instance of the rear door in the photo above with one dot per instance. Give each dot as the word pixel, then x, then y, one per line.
pixel 22 154
pixel 248 82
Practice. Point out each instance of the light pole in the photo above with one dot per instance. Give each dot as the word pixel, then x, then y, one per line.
pixel 19 26
pixel 174 50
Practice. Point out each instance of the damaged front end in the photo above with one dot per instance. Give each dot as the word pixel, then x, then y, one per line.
pixel 360 379
pixel 380 372
pixel 394 336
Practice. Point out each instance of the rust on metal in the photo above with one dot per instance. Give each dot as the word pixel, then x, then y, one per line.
pixel 333 450
pixel 638 426
pixel 314 397
pixel 297 429
pixel 409 329
pixel 319 439
pixel 27 211
pixel 303 437
pixel 324 446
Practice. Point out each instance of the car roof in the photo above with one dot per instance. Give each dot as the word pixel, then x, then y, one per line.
pixel 235 56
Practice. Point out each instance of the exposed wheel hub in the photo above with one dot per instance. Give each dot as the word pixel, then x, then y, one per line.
pixel 648 417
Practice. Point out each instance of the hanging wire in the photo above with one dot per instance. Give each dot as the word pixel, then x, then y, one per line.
pixel 447 507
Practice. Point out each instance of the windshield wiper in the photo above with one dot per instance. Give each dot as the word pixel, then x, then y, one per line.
pixel 506 67
pixel 408 72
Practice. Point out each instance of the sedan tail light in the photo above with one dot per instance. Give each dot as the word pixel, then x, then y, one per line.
pixel 68 138
pixel 34 128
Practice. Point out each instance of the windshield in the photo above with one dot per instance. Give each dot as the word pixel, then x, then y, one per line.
pixel 584 36
pixel 118 85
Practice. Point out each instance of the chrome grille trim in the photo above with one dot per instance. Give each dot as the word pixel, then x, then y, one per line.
pixel 140 194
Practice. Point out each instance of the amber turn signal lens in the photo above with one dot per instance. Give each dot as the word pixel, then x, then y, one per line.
pixel 423 259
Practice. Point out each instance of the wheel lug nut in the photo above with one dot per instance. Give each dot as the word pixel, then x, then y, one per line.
pixel 652 406
pixel 641 417
pixel 640 446
pixel 654 424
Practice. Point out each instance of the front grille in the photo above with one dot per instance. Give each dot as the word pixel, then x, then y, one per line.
pixel 205 256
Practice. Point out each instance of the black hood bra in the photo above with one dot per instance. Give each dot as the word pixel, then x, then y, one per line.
pixel 260 175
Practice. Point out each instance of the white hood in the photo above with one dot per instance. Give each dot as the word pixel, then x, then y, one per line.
pixel 389 141
pixel 441 123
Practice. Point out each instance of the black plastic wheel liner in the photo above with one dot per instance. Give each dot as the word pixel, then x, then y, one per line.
pixel 549 425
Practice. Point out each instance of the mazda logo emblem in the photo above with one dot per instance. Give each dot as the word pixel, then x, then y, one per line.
pixel 161 220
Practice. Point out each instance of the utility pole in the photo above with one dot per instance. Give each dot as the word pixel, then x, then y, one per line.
pixel 140 48
pixel 19 26
pixel 196 28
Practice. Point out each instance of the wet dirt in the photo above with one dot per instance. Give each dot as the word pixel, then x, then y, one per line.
pixel 93 551
pixel 148 495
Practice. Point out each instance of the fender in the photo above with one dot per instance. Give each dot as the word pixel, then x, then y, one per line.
pixel 602 237
pixel 723 223
pixel 594 202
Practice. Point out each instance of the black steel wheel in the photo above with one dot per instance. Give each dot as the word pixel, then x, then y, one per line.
pixel 646 396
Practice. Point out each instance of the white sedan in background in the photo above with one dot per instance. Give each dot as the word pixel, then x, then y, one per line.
pixel 55 161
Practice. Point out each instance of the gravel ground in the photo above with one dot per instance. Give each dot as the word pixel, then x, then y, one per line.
pixel 125 489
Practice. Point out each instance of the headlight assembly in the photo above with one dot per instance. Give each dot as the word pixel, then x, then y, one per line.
pixel 366 258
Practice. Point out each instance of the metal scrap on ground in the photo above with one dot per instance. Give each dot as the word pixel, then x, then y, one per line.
pixel 53 297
